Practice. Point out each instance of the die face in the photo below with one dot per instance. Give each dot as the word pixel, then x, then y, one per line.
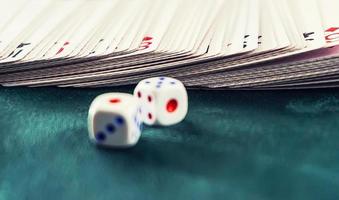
pixel 147 101
pixel 114 121
pixel 110 129
pixel 170 100
pixel 120 102
pixel 172 105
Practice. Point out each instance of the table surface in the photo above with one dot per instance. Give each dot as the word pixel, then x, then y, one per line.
pixel 232 145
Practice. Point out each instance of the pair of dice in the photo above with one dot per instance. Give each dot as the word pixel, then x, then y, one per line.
pixel 116 119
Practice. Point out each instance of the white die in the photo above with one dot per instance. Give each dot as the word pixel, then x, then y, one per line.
pixel 163 100
pixel 114 120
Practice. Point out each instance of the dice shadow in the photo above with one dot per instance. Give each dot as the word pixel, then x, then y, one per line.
pixel 195 154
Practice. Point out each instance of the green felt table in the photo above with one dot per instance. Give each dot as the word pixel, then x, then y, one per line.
pixel 232 145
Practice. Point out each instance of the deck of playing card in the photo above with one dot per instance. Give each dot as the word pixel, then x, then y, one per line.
pixel 236 44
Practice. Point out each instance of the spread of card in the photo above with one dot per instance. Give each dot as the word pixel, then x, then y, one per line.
pixel 227 44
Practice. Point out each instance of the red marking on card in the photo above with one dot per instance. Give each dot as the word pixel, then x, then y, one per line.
pixel 139 94
pixel 150 116
pixel 62 48
pixel 333 36
pixel 147 38
pixel 116 100
pixel 172 105
pixel 145 47
pixel 149 99
pixel 332 29
pixel 146 43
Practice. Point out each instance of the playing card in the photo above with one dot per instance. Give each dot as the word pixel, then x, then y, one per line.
pixel 65 8
pixel 158 27
pixel 132 31
pixel 113 46
pixel 40 27
pixel 8 10
pixel 236 31
pixel 330 20
pixel 85 29
pixel 19 23
pixel 251 37
pixel 211 44
pixel 307 17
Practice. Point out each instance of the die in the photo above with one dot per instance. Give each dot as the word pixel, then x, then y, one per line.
pixel 114 120
pixel 163 100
